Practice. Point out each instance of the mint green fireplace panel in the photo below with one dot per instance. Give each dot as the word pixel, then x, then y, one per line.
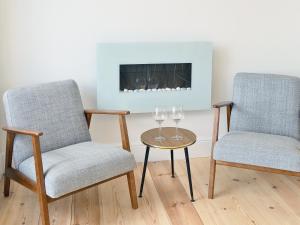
pixel 155 64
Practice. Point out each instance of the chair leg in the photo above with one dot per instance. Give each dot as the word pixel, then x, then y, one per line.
pixel 132 189
pixel 6 186
pixel 8 160
pixel 44 208
pixel 212 179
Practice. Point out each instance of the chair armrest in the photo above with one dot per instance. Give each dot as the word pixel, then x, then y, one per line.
pixel 228 105
pixel 109 112
pixel 37 155
pixel 21 131
pixel 222 104
pixel 217 108
pixel 122 122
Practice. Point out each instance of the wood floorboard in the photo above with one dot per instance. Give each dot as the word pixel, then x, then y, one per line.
pixel 242 197
pixel 176 200
pixel 221 210
pixel 258 202
pixel 86 207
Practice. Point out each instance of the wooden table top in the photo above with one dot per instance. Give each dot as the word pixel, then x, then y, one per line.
pixel 148 138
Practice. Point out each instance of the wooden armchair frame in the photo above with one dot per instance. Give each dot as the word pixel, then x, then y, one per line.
pixel 38 186
pixel 213 163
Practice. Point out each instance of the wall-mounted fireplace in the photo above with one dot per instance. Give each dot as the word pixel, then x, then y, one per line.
pixel 140 76
pixel 155 77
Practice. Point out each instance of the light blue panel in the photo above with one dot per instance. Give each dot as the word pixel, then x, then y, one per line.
pixel 111 55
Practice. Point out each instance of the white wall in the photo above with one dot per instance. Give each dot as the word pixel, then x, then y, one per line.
pixel 42 41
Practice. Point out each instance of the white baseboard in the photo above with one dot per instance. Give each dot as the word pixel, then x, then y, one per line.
pixel 199 149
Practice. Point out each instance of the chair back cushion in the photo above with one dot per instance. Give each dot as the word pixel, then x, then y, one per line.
pixel 266 103
pixel 53 108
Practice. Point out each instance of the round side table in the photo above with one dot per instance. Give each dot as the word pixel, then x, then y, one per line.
pixel 169 143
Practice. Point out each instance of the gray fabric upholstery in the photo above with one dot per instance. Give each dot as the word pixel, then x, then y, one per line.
pixel 76 166
pixel 53 108
pixel 266 103
pixel 259 149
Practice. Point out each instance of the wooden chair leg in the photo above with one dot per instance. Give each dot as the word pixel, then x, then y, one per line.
pixel 40 181
pixel 212 175
pixel 8 161
pixel 44 208
pixel 6 186
pixel 132 189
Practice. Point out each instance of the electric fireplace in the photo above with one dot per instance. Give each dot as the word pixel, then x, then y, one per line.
pixel 140 76
pixel 155 77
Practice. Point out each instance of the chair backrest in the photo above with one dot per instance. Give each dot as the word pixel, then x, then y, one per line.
pixel 266 103
pixel 53 108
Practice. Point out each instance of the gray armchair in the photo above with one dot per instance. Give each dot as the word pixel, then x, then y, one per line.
pixel 49 140
pixel 264 126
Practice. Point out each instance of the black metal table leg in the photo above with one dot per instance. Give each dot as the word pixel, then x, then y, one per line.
pixel 144 170
pixel 186 152
pixel 172 163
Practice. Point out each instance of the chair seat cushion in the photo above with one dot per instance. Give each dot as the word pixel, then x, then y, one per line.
pixel 260 149
pixel 77 166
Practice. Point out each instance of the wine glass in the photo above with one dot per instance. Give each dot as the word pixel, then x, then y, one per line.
pixel 159 115
pixel 177 115
pixel 140 83
pixel 152 82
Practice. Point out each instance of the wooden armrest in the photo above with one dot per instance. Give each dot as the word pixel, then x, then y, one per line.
pixel 21 131
pixel 222 104
pixel 122 121
pixel 217 108
pixel 109 112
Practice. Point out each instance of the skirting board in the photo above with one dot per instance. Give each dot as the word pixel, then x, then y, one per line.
pixel 200 149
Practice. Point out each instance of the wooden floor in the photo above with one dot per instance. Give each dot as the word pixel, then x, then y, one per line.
pixel 242 197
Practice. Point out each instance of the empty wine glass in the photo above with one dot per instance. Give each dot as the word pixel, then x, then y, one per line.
pixel 177 115
pixel 159 115
pixel 152 82
pixel 140 83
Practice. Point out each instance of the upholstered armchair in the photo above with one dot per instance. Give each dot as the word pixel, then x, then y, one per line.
pixel 263 123
pixel 49 140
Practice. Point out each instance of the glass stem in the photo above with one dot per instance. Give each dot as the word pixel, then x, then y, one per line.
pixel 159 134
pixel 176 131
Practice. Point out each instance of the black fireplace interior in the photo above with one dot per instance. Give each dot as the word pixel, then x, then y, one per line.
pixel 170 76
